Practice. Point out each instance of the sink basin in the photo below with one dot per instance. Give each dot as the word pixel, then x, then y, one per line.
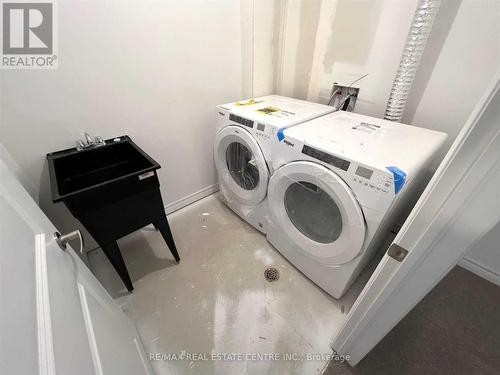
pixel 73 171
pixel 113 190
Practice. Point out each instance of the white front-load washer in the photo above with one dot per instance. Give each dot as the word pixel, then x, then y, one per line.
pixel 341 182
pixel 247 131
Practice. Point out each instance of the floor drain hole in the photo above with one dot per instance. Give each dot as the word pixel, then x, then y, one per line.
pixel 271 274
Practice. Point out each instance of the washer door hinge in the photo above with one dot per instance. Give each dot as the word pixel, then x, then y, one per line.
pixel 397 252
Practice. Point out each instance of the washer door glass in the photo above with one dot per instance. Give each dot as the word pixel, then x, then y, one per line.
pixel 241 165
pixel 313 212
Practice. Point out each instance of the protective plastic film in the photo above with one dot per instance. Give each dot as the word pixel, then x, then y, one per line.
pixel 315 209
pixel 241 165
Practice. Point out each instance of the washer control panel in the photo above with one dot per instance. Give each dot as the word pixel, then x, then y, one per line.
pixel 241 120
pixel 263 131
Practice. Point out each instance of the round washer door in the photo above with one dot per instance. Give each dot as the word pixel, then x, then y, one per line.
pixel 316 210
pixel 241 165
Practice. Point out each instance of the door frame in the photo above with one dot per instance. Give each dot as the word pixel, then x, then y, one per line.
pixel 461 198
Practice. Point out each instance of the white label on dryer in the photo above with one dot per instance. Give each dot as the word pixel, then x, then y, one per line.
pixel 366 127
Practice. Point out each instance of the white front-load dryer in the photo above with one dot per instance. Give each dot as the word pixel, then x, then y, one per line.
pixel 341 182
pixel 248 130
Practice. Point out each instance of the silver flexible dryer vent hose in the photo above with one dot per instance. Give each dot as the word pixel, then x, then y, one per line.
pixel 418 34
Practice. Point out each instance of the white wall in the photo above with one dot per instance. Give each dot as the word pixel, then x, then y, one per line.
pixel 484 258
pixel 329 41
pixel 153 70
pixel 258 44
pixel 462 58
pixel 460 71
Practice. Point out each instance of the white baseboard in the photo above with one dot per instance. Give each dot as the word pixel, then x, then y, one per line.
pixel 480 270
pixel 191 198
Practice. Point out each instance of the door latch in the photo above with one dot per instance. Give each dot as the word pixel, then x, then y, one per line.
pixel 63 239
pixel 397 252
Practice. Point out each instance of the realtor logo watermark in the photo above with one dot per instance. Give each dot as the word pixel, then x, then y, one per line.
pixel 29 37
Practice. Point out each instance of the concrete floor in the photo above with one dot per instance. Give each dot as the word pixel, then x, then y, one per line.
pixel 217 299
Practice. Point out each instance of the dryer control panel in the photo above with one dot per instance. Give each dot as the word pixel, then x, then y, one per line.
pixel 366 178
pixel 372 180
pixel 327 158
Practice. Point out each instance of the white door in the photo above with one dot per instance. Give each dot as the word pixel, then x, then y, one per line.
pixel 460 205
pixel 241 166
pixel 55 317
pixel 315 209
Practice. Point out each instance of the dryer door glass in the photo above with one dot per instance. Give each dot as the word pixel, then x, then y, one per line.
pixel 241 165
pixel 313 212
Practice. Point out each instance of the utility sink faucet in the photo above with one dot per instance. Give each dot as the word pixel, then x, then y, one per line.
pixel 96 142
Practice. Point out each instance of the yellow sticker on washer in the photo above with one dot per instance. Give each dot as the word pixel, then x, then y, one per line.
pixel 248 102
pixel 268 110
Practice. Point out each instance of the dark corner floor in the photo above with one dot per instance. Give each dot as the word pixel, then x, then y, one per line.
pixel 455 329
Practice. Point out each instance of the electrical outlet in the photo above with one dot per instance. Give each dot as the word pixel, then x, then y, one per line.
pixel 344 98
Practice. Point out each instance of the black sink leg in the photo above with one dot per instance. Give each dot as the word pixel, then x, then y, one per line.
pixel 114 255
pixel 164 228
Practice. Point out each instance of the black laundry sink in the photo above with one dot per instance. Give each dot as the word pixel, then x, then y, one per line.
pixel 77 171
pixel 113 190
